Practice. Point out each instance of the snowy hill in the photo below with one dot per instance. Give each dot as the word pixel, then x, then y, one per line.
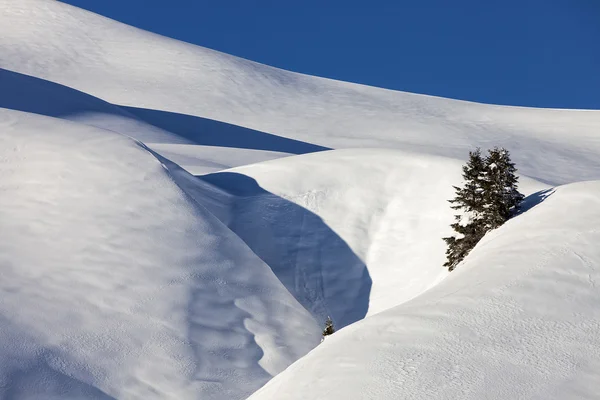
pixel 329 224
pixel 115 283
pixel 181 85
pixel 126 276
pixel 519 320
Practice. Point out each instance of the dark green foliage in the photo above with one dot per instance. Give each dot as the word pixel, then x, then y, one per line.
pixel 501 196
pixel 470 197
pixel 470 200
pixel 488 198
pixel 459 248
pixel 329 329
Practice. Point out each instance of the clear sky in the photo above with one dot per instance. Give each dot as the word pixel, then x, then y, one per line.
pixel 542 53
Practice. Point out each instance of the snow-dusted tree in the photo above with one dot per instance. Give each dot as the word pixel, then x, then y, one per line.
pixel 329 329
pixel 470 201
pixel 501 195
pixel 487 200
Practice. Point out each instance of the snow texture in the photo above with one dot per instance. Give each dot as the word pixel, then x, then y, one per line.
pixel 320 219
pixel 116 284
pixel 518 320
pixel 178 223
pixel 200 96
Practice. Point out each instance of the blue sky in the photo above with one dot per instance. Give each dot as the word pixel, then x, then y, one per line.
pixel 541 53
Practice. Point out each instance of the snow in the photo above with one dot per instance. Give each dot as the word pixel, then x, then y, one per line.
pixel 177 84
pixel 518 320
pixel 318 220
pixel 125 276
pixel 116 284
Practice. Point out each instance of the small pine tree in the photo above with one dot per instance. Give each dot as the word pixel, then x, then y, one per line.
pixel 329 329
pixel 470 199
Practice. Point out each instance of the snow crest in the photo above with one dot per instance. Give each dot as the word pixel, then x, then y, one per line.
pixel 124 276
pixel 518 320
pixel 116 284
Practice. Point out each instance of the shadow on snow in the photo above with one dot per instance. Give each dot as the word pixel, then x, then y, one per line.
pixel 534 199
pixel 30 94
pixel 208 132
pixel 315 264
pixel 41 381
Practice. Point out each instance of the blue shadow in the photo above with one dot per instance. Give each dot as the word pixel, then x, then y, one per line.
pixel 30 94
pixel 208 132
pixel 313 262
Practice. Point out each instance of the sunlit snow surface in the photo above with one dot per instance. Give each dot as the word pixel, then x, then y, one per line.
pixel 518 320
pixel 116 283
pixel 124 276
pixel 204 97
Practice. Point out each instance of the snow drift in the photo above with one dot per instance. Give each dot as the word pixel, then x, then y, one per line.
pixel 518 320
pixel 349 232
pixel 162 80
pixel 126 277
pixel 116 284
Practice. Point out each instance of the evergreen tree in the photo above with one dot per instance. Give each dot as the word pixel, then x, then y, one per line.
pixel 470 200
pixel 501 196
pixel 487 200
pixel 470 197
pixel 459 247
pixel 329 329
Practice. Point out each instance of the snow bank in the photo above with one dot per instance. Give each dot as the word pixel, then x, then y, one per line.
pixel 125 277
pixel 116 284
pixel 174 84
pixel 30 94
pixel 349 232
pixel 519 319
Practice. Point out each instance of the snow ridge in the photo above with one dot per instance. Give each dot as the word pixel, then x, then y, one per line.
pixel 517 320
pixel 126 276
pixel 129 67
pixel 117 284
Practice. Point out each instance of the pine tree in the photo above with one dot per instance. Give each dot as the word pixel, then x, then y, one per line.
pixel 487 200
pixel 470 197
pixel 501 196
pixel 459 248
pixel 470 200
pixel 329 329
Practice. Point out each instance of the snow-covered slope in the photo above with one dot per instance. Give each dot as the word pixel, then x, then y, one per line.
pixel 123 276
pixel 116 284
pixel 30 94
pixel 175 136
pixel 349 232
pixel 518 320
pixel 186 84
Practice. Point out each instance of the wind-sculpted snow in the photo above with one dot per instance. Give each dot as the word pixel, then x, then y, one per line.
pixel 329 224
pixel 127 66
pixel 116 284
pixel 518 320
pixel 125 277
pixel 30 94
pixel 201 145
